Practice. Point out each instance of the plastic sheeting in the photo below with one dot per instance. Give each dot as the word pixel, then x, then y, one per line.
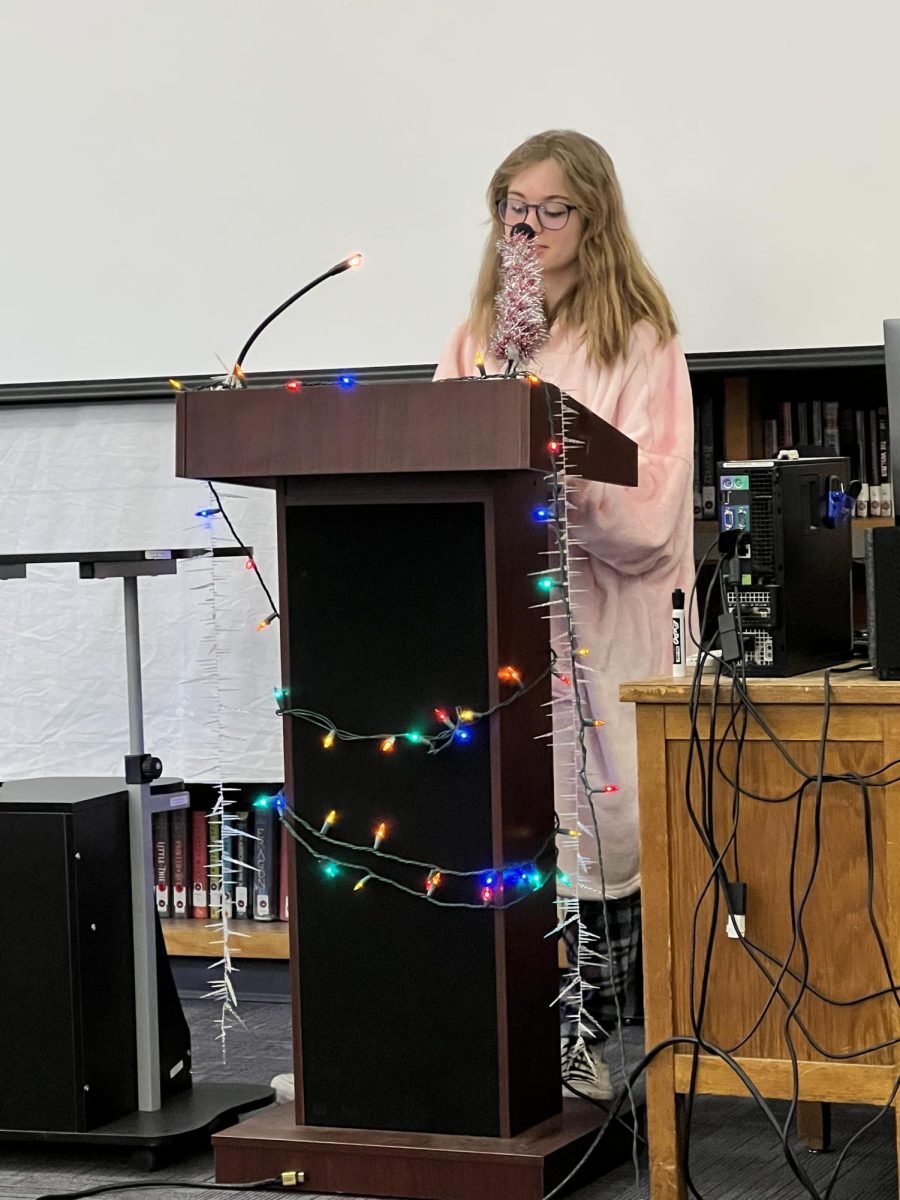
pixel 102 477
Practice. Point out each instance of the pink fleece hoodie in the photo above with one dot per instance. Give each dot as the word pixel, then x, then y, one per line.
pixel 640 549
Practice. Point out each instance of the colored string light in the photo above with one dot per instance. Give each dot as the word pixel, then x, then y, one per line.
pixel 207 512
pixel 509 675
pixel 328 822
pixel 293 385
pixel 466 714
pixel 554 446
pixel 380 834
pixel 328 739
pixel 360 884
pixel 542 513
pixel 518 874
pixel 610 787
pixel 388 745
pixel 176 384
pixel 346 382
pixel 266 622
pixel 547 583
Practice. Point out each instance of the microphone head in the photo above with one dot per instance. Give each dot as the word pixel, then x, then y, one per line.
pixel 525 229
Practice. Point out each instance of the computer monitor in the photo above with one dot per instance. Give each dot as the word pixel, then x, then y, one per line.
pixel 892 369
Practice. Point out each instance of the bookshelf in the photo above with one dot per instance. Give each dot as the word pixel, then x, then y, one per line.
pixel 749 393
pixel 195 939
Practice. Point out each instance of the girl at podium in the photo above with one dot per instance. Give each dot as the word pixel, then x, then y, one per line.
pixel 613 347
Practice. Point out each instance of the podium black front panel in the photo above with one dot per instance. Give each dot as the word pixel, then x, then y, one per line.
pixel 388 620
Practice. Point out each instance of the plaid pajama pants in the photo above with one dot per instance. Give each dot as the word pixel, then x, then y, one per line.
pixel 610 970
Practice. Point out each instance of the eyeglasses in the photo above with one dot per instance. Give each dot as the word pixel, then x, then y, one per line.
pixel 552 214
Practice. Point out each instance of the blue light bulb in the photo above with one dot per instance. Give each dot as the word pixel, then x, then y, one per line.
pixel 542 513
pixel 345 381
pixel 463 735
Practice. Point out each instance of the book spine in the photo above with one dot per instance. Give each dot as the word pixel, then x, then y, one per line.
pixel 214 867
pixel 698 467
pixel 818 437
pixel 884 464
pixel 875 482
pixel 265 859
pixel 785 426
pixel 831 438
pixel 159 823
pixel 241 850
pixel 283 896
pixel 770 438
pixel 181 863
pixel 199 900
pixel 802 423
pixel 708 457
pixel 862 443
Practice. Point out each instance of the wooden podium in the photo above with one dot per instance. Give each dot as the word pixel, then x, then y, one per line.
pixel 426 1045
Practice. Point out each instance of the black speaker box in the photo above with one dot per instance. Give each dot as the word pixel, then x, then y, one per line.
pixel 68 1060
pixel 883 600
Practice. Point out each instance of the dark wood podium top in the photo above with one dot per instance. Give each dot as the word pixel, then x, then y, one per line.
pixel 262 435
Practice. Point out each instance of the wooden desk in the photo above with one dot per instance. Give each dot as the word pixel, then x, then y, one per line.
pixel 844 959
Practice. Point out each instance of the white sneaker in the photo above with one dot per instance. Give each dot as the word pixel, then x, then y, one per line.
pixel 584 1073
pixel 284 1088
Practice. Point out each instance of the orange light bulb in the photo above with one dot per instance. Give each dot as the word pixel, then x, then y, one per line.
pixel 509 675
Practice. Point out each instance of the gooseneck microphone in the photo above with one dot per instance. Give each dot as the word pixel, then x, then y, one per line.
pixel 347 264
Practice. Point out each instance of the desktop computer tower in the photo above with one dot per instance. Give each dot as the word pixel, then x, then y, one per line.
pixel 789 582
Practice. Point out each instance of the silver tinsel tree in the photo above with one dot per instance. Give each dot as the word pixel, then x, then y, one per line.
pixel 521 326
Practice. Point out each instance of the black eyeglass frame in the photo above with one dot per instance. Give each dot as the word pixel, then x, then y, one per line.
pixel 504 200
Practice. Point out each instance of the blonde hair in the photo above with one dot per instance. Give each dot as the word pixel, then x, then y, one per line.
pixel 615 287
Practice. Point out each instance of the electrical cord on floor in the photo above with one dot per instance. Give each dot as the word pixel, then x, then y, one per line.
pixel 287 1181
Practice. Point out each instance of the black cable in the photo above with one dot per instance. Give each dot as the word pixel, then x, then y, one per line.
pixel 259 1185
pixel 250 558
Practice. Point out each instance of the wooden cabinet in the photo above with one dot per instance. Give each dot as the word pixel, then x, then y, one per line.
pixel 845 959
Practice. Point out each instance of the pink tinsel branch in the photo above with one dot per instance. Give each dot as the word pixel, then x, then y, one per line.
pixel 521 326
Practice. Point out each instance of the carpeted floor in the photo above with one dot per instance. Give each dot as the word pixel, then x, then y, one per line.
pixel 735 1155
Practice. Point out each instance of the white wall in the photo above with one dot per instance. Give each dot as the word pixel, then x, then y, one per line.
pixel 173 170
